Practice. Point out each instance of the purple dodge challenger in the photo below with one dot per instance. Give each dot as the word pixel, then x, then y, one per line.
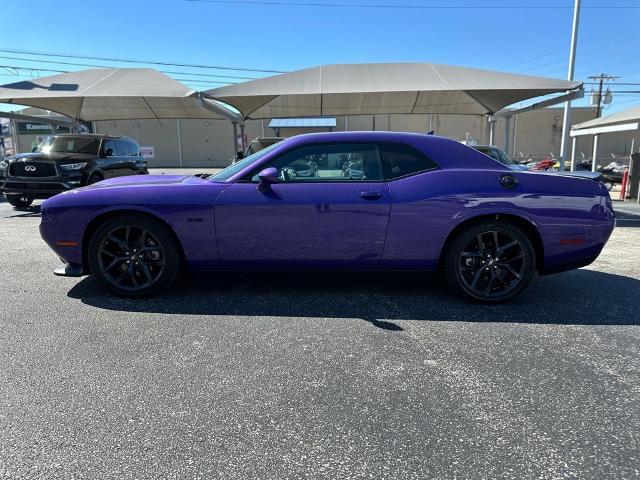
pixel 355 200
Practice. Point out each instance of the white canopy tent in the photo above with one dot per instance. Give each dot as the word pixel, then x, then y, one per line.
pixel 616 122
pixel 117 94
pixel 114 94
pixel 141 93
pixel 384 88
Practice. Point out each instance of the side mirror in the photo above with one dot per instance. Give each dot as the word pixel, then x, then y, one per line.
pixel 267 177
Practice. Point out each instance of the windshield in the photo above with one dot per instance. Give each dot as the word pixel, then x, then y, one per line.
pixel 231 170
pixel 86 145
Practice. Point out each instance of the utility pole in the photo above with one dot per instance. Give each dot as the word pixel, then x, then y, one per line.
pixel 566 120
pixel 594 155
pixel 601 78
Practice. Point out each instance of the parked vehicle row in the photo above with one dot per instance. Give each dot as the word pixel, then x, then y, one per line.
pixel 69 161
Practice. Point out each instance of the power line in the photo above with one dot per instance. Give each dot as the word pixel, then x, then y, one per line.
pixel 93 65
pixel 208 75
pixel 128 60
pixel 34 69
pixel 408 7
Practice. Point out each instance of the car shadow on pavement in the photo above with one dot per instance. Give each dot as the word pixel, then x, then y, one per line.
pixel 579 297
pixel 32 211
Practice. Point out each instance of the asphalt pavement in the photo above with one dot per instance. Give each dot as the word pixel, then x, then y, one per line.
pixel 288 376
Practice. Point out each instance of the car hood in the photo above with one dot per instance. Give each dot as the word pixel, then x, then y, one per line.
pixel 51 157
pixel 133 181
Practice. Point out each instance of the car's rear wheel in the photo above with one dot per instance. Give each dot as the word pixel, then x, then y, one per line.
pixel 490 262
pixel 134 256
pixel 19 201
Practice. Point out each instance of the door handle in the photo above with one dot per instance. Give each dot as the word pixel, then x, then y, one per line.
pixel 371 195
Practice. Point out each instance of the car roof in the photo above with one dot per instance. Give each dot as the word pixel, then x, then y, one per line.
pixel 95 135
pixel 365 136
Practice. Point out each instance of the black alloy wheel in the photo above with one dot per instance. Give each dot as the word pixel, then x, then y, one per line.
pixel 19 201
pixel 490 263
pixel 134 256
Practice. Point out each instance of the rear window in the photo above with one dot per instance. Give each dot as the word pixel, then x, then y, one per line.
pixel 401 160
pixel 86 145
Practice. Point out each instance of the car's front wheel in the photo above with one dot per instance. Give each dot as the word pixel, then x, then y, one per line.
pixel 491 262
pixel 19 201
pixel 134 256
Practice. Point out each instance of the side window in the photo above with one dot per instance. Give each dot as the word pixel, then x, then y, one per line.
pixel 401 160
pixel 329 162
pixel 133 149
pixel 123 148
pixel 109 148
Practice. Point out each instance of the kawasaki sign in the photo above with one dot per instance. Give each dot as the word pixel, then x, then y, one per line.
pixel 35 128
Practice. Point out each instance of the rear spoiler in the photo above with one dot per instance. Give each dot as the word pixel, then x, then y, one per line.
pixel 597 176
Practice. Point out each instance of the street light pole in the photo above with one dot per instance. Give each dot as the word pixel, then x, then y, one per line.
pixel 566 119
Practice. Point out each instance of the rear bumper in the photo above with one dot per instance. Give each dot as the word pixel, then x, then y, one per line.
pixel 569 257
pixel 570 264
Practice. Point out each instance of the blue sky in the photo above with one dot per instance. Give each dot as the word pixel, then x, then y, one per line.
pixel 286 37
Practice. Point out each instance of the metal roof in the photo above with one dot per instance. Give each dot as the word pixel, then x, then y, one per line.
pixel 383 88
pixel 312 122
pixel 631 115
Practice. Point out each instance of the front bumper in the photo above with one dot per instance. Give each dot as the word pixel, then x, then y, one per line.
pixel 69 270
pixel 43 187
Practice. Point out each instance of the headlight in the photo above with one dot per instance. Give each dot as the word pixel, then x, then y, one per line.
pixel 3 166
pixel 73 166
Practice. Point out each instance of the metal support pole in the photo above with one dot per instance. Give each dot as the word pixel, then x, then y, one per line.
pixel 14 135
pixel 594 155
pixel 235 141
pixel 243 139
pixel 179 142
pixel 515 136
pixel 492 129
pixel 507 133
pixel 573 153
pixel 566 118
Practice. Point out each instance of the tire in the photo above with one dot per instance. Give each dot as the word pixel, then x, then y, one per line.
pixel 19 201
pixel 483 273
pixel 134 256
pixel 95 178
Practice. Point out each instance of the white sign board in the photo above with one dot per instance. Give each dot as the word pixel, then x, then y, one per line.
pixel 147 152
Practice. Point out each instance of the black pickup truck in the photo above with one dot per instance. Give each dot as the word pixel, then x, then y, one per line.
pixel 70 161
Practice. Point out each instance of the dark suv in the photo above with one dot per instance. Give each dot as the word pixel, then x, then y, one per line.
pixel 70 161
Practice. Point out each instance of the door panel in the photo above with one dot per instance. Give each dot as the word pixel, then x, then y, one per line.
pixel 303 224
